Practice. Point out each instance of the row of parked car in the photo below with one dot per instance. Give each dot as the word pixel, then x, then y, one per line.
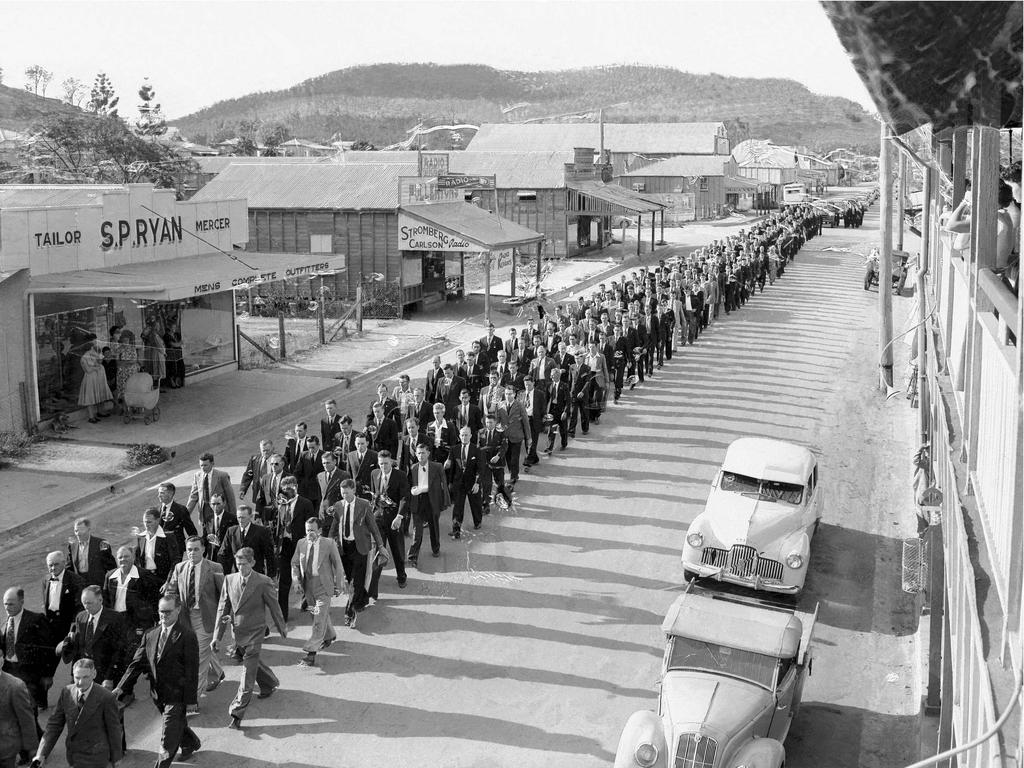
pixel 735 662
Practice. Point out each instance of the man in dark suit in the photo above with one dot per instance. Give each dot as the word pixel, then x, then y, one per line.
pixel 563 359
pixel 125 593
pixel 580 383
pixel 330 425
pixel 354 529
pixel 174 517
pixel 622 354
pixel 298 443
pixel 94 731
pixel 98 634
pixel 383 428
pixel 61 590
pixel 440 436
pixel 292 513
pixel 248 534
pixel 155 555
pixel 433 378
pixel 536 404
pixel 448 390
pixel 361 463
pixel 636 338
pixel 169 656
pixel 422 408
pixel 217 527
pixel 467 464
pixel 652 338
pixel 491 345
pixel 390 488
pixel 384 399
pixel 345 441
pixel 20 734
pixel 493 447
pixel 307 467
pixel 329 482
pixel 476 376
pixel 466 414
pixel 429 496
pixel 255 469
pixel 558 403
pixel 196 583
pixel 666 326
pixel 26 645
pixel 270 489
pixel 89 557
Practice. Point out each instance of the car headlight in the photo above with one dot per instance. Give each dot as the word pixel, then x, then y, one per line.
pixel 795 560
pixel 646 755
pixel 695 539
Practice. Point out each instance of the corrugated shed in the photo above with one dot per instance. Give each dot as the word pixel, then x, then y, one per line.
pixel 475 224
pixel 326 186
pixel 616 195
pixel 515 170
pixel 33 195
pixel 653 138
pixel 219 163
pixel 685 165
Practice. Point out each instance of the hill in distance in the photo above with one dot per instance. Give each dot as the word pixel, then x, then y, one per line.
pixel 380 102
pixel 19 108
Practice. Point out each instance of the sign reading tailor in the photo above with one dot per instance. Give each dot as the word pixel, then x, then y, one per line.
pixel 416 235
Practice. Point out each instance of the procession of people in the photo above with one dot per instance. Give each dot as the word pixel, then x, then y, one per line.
pixel 326 515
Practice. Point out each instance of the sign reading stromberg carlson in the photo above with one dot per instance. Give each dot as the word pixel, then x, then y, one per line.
pixel 416 235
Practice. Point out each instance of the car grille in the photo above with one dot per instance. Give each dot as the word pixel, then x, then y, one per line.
pixel 743 562
pixel 696 751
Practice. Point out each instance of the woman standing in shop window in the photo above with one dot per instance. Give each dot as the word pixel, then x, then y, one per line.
pixel 154 353
pixel 94 390
pixel 175 356
pixel 127 361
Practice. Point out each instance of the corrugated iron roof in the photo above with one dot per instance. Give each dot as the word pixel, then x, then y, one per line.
pixel 219 163
pixel 740 184
pixel 38 195
pixel 761 153
pixel 368 156
pixel 329 186
pixel 685 165
pixel 484 228
pixel 616 195
pixel 515 170
pixel 654 138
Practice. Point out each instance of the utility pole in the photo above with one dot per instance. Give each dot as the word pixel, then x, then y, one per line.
pixel 885 263
pixel 902 210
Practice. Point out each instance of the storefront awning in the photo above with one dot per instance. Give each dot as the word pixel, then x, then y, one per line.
pixel 463 227
pixel 599 199
pixel 189 275
pixel 741 184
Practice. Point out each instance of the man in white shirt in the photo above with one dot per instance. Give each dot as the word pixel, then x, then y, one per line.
pixel 318 575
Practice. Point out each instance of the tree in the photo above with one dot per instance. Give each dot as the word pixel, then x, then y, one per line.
pixel 245 147
pixel 73 91
pixel 102 100
pixel 151 120
pixel 36 80
pixel 362 146
pixel 272 136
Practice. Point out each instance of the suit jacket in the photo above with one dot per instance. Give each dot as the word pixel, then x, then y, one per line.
pixel 449 436
pixel 437 489
pixel 174 673
pixel 434 376
pixel 546 365
pixel 257 537
pixel 99 560
pixel 94 729
pixel 360 470
pixel 227 519
pixel 293 450
pixel 346 444
pixel 32 644
pixel 267 505
pixel 107 648
pixel 165 555
pixel 327 574
pixel 492 449
pixel 330 491
pixel 540 406
pixel 387 435
pixel 246 609
pixel 220 482
pixel 492 347
pixel 17 718
pixel 329 430
pixel 514 421
pixel 491 397
pixel 449 394
pixel 175 521
pixel 364 527
pixel 211 579
pixel 397 490
pixel 563 362
pixel 257 466
pixel 558 401
pixel 62 617
pixel 302 510
pixel 138 605
pixel 474 421
pixel 466 473
pixel 307 467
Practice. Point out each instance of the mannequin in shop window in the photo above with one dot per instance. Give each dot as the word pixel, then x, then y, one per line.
pixel 94 390
pixel 175 356
pixel 154 353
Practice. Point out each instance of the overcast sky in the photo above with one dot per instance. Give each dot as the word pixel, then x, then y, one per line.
pixel 196 53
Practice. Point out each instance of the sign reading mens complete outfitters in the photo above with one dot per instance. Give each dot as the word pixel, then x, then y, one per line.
pixel 416 235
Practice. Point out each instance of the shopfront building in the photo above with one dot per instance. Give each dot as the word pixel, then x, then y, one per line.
pixel 78 264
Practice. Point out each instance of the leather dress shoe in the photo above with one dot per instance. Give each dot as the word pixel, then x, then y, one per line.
pixel 235 724
pixel 402 584
pixel 212 685
pixel 186 753
pixel 266 693
pixel 326 644
pixel 309 660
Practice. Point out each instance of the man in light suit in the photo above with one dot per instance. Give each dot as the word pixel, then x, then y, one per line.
pixel 17 720
pixel 89 556
pixel 246 598
pixel 514 421
pixel 196 583
pixel 354 528
pixel 429 497
pixel 90 713
pixel 169 656
pixel 318 575
pixel 206 482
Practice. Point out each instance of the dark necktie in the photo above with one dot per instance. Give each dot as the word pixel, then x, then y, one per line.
pixel 308 573
pixel 190 595
pixel 9 640
pixel 89 631
pixel 161 642
pixel 348 520
pixel 206 488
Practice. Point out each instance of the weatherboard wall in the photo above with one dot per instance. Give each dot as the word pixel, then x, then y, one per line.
pixel 546 215
pixel 707 203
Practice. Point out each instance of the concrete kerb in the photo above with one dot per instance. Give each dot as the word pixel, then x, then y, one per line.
pixel 182 454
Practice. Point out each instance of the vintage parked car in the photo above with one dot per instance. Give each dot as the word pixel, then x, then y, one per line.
pixel 731 683
pixel 759 518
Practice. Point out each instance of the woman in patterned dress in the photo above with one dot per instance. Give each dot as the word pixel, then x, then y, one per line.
pixel 127 360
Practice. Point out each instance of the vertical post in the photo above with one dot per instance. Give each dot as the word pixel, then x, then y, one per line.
pixel 280 336
pixel 652 232
pixel 515 258
pixel 885 263
pixel 639 233
pixel 487 286
pixel 662 226
pixel 536 287
pixel 320 310
pixel 901 210
pixel 936 601
pixel 359 307
pixel 959 174
pixel 927 203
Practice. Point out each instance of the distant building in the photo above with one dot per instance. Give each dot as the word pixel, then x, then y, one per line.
pixel 11 143
pixel 303 148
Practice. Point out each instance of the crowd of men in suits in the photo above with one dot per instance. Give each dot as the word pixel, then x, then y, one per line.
pixel 319 519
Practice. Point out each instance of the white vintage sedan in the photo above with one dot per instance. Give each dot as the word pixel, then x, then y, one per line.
pixel 757 525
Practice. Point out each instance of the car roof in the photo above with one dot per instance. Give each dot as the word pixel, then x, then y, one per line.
pixel 735 623
pixel 769 460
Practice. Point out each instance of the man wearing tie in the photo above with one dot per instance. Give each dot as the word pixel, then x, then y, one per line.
pixel 536 406
pixel 558 409
pixel 196 583
pixel 429 496
pixel 169 656
pixel 245 600
pixel 292 514
pixel 26 644
pixel 330 489
pixel 466 482
pixel 361 463
pixel 307 468
pixel 491 345
pixel 90 557
pixel 295 447
pixel 385 429
pixel 344 441
pixel 98 634
pixel 252 535
pixel 467 414
pixel 174 518
pixel 492 395
pixel 319 575
pixel 515 422
pixel 60 606
pixel 90 713
pixel 391 494
pixel 434 376
pixel 206 482
pixel 502 369
pixel 270 489
pixel 20 732
pixel 354 529
pixel 493 447
pixel 217 527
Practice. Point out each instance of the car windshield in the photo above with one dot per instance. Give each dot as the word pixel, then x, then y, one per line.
pixel 791 493
pixel 688 653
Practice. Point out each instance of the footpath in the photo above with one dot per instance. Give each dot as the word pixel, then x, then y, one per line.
pixel 83 470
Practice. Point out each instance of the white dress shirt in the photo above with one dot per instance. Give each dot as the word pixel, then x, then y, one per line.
pixel 150 549
pixel 122 579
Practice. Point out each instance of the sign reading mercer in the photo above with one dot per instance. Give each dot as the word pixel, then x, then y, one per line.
pixel 416 235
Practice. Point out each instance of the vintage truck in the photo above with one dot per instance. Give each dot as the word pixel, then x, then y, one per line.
pixel 731 682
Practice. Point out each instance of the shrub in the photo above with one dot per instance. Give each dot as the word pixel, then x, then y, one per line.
pixel 145 455
pixel 14 444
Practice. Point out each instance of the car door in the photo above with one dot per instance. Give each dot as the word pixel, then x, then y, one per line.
pixel 789 674
pixel 810 501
